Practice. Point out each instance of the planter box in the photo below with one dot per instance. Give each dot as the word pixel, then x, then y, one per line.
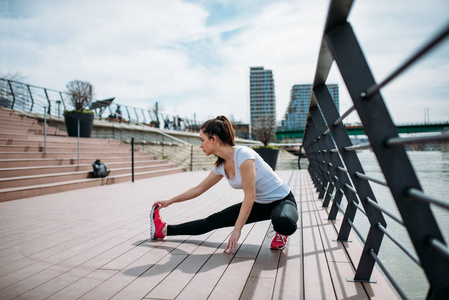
pixel 270 156
pixel 86 122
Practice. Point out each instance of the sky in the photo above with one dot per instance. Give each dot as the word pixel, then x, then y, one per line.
pixel 193 56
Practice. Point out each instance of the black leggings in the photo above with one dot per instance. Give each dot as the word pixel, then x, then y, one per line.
pixel 259 212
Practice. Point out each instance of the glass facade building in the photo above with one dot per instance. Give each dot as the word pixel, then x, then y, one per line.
pixel 296 113
pixel 262 96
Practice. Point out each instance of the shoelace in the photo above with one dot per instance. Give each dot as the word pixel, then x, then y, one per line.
pixel 271 234
pixel 280 238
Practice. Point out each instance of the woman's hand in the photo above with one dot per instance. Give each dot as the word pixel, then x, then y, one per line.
pixel 162 203
pixel 233 241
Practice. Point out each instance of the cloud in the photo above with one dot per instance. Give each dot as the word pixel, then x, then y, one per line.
pixel 194 56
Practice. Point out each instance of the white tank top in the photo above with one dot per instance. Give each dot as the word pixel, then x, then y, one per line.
pixel 269 187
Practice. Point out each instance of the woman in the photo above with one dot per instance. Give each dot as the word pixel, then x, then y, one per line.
pixel 266 196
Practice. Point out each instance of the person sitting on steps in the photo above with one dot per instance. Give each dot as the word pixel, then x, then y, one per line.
pixel 266 196
pixel 118 114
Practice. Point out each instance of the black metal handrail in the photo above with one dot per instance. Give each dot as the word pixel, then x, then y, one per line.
pixel 30 98
pixel 336 170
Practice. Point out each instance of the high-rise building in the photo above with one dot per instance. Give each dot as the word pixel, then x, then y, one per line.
pixel 296 113
pixel 262 97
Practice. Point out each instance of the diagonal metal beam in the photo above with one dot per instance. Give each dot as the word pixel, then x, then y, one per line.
pixel 393 161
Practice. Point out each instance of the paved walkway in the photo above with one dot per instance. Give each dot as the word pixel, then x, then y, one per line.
pixel 93 244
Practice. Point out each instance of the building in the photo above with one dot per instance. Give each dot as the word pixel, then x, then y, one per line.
pixel 262 97
pixel 296 113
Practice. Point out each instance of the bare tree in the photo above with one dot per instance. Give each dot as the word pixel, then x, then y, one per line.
pixel 265 128
pixel 81 94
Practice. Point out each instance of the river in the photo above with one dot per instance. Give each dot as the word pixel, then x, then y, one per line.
pixel 432 169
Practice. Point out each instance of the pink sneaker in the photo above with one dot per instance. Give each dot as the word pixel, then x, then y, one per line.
pixel 156 224
pixel 279 242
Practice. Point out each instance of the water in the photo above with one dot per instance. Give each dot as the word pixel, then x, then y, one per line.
pixel 432 169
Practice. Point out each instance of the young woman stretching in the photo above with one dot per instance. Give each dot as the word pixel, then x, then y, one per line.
pixel 266 196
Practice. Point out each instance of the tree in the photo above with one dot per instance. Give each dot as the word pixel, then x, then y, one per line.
pixel 265 128
pixel 81 94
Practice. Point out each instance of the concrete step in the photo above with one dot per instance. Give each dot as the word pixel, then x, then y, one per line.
pixel 57 139
pixel 17 120
pixel 6 125
pixel 67 149
pixel 18 163
pixel 67 176
pixel 4 112
pixel 14 135
pixel 62 143
pixel 36 129
pixel 42 170
pixel 72 155
pixel 26 171
pixel 50 188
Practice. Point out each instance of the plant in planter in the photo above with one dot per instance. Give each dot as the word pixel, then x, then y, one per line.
pixel 81 95
pixel 264 129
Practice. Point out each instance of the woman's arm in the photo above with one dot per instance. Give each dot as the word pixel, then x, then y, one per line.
pixel 206 184
pixel 248 172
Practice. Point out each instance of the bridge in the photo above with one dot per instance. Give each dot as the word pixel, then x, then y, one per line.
pixel 359 130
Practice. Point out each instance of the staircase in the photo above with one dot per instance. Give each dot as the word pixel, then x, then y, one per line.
pixel 26 171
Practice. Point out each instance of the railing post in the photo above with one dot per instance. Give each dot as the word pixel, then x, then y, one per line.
pixel 62 100
pixel 132 159
pixel 31 97
pixel 12 94
pixel 162 146
pixel 78 141
pixel 191 158
pixel 317 122
pixel 129 116
pixel 48 100
pixel 363 188
pixel 45 130
pixel 137 116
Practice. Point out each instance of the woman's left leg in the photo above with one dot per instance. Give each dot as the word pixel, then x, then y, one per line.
pixel 225 218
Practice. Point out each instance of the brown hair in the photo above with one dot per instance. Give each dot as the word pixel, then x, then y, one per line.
pixel 222 128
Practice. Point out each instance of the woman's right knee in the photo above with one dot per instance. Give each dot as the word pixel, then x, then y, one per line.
pixel 285 217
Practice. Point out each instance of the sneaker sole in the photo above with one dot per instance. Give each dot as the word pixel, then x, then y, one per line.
pixel 279 248
pixel 152 225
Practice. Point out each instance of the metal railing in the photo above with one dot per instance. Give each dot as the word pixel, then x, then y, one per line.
pixel 188 155
pixel 336 170
pixel 30 98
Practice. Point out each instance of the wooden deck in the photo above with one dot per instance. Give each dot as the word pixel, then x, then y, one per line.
pixel 93 244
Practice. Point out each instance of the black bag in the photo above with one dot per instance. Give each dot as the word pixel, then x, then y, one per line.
pixel 100 169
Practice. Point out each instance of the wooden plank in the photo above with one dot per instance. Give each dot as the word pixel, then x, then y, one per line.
pixel 72 276
pixel 261 280
pixel 340 265
pixel 145 282
pixel 80 287
pixel 318 282
pixel 289 277
pixel 288 282
pixel 259 288
pixel 233 281
pixel 131 273
pixel 173 284
pixel 204 281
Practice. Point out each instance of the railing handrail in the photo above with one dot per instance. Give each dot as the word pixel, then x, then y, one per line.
pixel 33 98
pixel 173 138
pixel 336 169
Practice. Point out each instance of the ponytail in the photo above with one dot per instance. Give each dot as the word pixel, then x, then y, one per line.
pixel 222 128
